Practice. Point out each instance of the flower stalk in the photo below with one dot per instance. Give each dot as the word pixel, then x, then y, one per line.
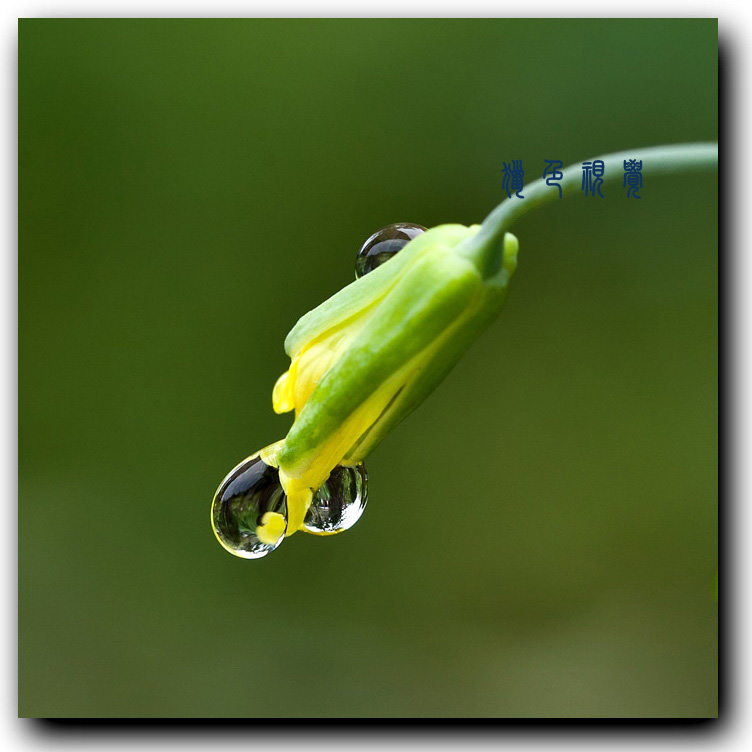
pixel 656 160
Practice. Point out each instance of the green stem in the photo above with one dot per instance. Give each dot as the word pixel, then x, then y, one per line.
pixel 485 247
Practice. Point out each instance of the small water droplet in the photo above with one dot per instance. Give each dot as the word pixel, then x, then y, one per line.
pixel 340 502
pixel 249 511
pixel 384 244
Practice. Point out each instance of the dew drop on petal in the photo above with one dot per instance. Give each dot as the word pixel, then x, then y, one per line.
pixel 249 511
pixel 384 244
pixel 340 502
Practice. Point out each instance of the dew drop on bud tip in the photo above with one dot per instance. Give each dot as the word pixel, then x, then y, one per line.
pixel 249 511
pixel 340 502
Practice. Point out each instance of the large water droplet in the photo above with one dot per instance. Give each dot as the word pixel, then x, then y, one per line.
pixel 249 511
pixel 340 502
pixel 384 244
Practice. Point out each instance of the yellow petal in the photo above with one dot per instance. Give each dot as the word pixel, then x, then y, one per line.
pixel 272 528
pixel 299 497
pixel 294 387
pixel 282 397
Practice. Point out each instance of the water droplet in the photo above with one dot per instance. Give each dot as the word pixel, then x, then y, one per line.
pixel 340 502
pixel 384 244
pixel 249 511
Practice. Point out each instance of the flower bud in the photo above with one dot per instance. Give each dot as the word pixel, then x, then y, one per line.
pixel 368 356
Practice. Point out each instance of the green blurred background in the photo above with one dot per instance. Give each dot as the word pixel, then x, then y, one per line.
pixel 541 535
